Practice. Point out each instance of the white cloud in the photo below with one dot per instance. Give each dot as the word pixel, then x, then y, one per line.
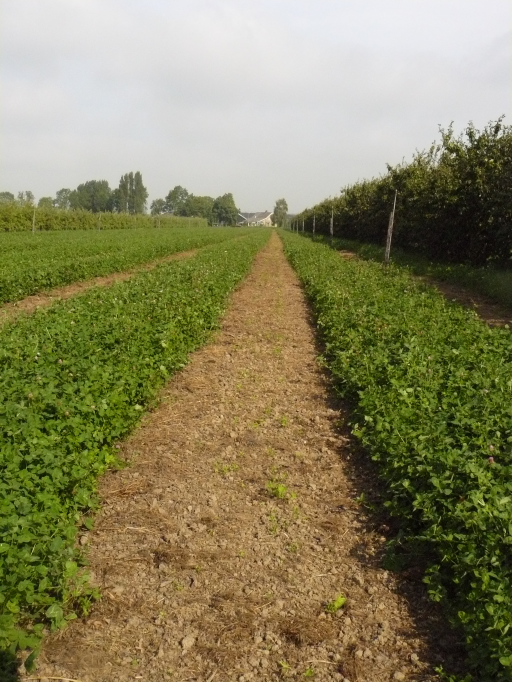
pixel 265 99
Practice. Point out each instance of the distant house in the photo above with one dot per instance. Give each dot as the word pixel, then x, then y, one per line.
pixel 260 218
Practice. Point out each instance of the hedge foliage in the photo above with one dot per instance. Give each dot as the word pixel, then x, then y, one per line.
pixel 15 218
pixel 431 390
pixel 454 201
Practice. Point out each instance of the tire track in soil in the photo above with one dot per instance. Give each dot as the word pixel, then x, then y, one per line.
pixel 204 575
pixel 10 311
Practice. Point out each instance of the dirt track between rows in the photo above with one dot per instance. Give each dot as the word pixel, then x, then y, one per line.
pixel 10 311
pixel 204 574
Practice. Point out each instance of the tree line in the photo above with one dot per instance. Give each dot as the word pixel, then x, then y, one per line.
pixel 95 196
pixel 131 197
pixel 454 201
pixel 180 202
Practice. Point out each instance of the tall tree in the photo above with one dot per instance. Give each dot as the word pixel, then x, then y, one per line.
pixel 131 195
pixel 280 212
pixel 224 211
pixel 25 199
pixel 122 194
pixel 198 207
pixel 93 195
pixel 6 198
pixel 158 206
pixel 45 202
pixel 176 200
pixel 139 195
pixel 62 198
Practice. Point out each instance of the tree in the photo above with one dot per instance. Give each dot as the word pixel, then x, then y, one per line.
pixel 122 194
pixel 25 199
pixel 280 212
pixel 45 202
pixel 139 195
pixel 62 198
pixel 6 198
pixel 131 195
pixel 224 210
pixel 158 206
pixel 93 195
pixel 198 207
pixel 176 200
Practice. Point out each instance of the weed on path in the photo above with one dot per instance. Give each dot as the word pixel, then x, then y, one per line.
pixel 234 547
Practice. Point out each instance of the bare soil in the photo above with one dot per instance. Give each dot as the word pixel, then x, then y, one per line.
pixel 10 311
pixel 237 523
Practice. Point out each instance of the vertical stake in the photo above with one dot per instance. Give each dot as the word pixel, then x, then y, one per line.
pixel 331 225
pixel 34 220
pixel 303 224
pixel 390 232
pixel 314 219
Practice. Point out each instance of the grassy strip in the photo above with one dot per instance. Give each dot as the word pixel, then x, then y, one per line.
pixel 492 282
pixel 32 262
pixel 431 390
pixel 74 379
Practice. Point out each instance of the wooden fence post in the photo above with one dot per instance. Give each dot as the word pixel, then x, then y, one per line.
pixel 34 220
pixel 314 218
pixel 390 232
pixel 331 225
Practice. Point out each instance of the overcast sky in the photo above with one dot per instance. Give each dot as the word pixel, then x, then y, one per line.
pixel 261 98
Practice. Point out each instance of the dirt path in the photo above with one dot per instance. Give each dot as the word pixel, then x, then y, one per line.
pixel 10 311
pixel 217 551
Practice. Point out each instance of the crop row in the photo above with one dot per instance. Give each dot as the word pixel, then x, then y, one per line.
pixel 74 379
pixel 30 262
pixel 14 218
pixel 495 283
pixel 431 390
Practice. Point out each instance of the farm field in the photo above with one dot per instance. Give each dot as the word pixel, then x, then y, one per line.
pixel 485 285
pixel 74 378
pixel 243 541
pixel 223 551
pixel 32 262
